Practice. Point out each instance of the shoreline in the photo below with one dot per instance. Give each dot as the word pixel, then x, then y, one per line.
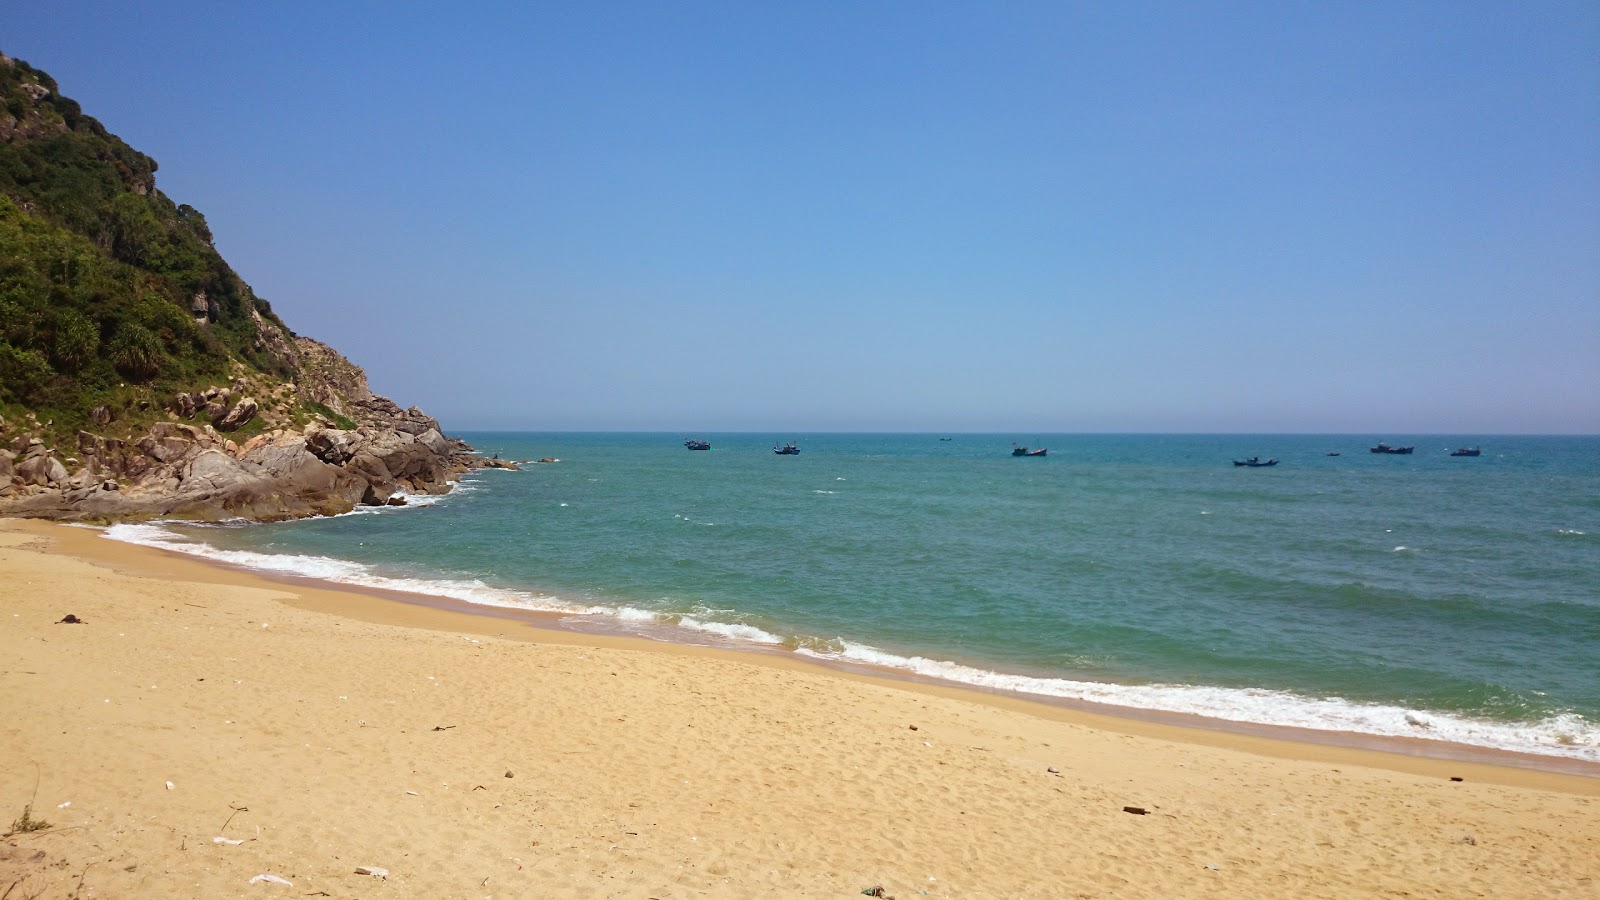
pixel 204 725
pixel 384 606
pixel 1130 719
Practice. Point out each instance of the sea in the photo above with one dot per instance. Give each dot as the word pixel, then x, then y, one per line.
pixel 1450 600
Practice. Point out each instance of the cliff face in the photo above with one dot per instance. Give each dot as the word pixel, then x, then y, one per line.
pixel 141 376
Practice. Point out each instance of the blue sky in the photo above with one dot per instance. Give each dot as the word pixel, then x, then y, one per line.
pixel 1021 217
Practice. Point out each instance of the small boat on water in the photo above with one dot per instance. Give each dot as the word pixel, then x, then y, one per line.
pixel 1255 462
pixel 1333 453
pixel 1467 451
pixel 693 444
pixel 1019 450
pixel 789 449
pixel 1385 448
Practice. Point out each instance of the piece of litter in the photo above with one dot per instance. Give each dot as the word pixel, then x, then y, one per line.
pixel 374 871
pixel 1136 810
pixel 169 785
pixel 271 879
pixel 413 793
pixel 219 839
pixel 64 805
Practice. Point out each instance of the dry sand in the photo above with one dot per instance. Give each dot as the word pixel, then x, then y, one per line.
pixel 473 756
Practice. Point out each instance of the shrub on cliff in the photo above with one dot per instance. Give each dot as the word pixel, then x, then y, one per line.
pixel 106 285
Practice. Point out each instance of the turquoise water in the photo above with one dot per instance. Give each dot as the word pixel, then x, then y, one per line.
pixel 1424 595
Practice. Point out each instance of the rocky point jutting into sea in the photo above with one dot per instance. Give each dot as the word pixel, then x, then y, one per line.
pixel 187 465
pixel 141 377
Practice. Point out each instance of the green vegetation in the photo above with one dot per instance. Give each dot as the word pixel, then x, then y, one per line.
pixel 110 293
pixel 27 823
pixel 344 422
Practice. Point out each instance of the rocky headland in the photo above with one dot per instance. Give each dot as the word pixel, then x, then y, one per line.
pixel 141 377
pixel 192 464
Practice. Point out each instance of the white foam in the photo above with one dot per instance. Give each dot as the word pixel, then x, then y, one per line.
pixel 339 571
pixel 742 633
pixel 1567 735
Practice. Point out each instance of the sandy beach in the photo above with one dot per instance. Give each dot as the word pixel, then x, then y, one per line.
pixel 203 726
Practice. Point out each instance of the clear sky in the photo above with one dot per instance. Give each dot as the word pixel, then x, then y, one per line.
pixel 1021 217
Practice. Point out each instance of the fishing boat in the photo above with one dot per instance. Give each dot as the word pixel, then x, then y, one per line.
pixel 1019 450
pixel 789 449
pixel 1333 453
pixel 1255 462
pixel 1467 451
pixel 693 444
pixel 1385 448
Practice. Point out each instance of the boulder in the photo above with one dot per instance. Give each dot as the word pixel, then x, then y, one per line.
pixel 243 412
pixel 299 473
pixel 41 469
pixel 332 445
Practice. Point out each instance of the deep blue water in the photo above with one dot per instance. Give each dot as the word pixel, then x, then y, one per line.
pixel 1422 595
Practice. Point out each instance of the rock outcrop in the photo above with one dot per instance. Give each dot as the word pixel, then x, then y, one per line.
pixel 186 471
pixel 187 468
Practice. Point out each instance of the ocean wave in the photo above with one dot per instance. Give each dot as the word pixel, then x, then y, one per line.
pixel 1569 735
pixel 1566 735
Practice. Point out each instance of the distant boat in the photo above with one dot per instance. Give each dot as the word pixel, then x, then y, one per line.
pixel 693 444
pixel 1467 451
pixel 1255 462
pixel 944 439
pixel 788 449
pixel 1334 453
pixel 1019 450
pixel 1385 448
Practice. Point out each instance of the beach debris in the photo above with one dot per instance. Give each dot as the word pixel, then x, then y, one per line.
pixel 443 727
pixel 1053 770
pixel 374 871
pixel 236 811
pixel 913 728
pixel 1469 840
pixel 63 805
pixel 70 619
pixel 1136 810
pixel 271 879
pixel 509 775
pixel 1457 778
pixel 877 891
pixel 170 785
pixel 219 839
pixel 413 793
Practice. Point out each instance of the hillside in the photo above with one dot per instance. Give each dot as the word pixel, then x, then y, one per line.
pixel 122 327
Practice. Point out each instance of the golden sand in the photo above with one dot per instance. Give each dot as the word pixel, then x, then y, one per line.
pixel 204 726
